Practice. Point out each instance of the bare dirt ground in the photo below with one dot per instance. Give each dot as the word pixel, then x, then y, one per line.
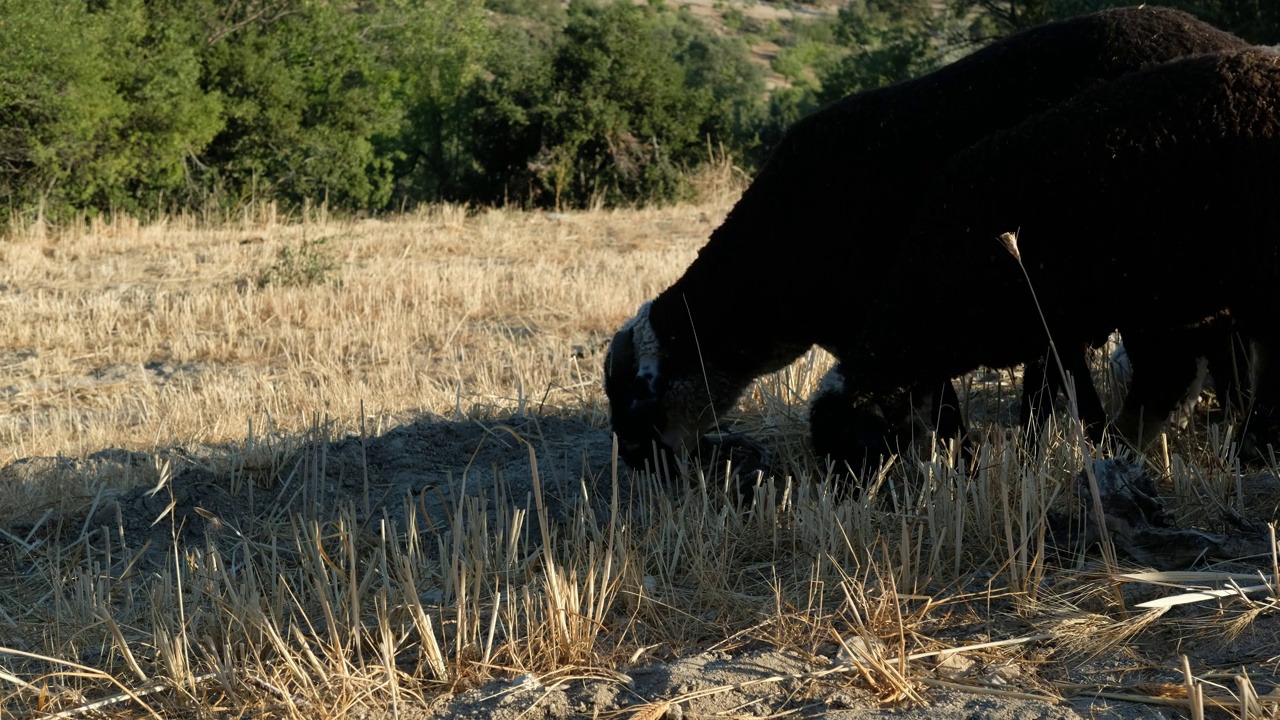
pixel 389 491
pixel 437 463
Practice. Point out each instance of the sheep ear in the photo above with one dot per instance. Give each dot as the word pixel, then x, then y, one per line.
pixel 620 362
pixel 645 348
pixel 621 357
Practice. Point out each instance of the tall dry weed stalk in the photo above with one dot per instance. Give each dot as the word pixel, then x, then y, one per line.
pixel 1010 242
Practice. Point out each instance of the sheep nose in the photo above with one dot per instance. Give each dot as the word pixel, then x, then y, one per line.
pixel 645 411
pixel 637 454
pixel 632 453
pixel 642 388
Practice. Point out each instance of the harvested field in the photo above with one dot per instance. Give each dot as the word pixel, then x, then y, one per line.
pixel 326 469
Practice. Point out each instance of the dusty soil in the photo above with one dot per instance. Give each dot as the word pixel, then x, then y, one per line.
pixel 434 459
pixel 439 461
pixel 759 683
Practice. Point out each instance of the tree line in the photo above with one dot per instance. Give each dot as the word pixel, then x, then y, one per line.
pixel 148 106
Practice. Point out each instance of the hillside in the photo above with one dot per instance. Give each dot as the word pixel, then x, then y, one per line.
pixel 763 24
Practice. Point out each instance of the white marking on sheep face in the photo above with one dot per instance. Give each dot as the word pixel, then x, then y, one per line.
pixel 671 400
pixel 1182 413
pixel 832 383
pixel 645 345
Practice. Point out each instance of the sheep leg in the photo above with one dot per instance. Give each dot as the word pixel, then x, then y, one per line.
pixel 858 432
pixel 1165 365
pixel 1042 380
pixel 1223 351
pixel 933 410
pixel 851 434
pixel 1228 353
pixel 1037 399
pixel 946 412
pixel 1262 422
pixel 946 421
pixel 1088 404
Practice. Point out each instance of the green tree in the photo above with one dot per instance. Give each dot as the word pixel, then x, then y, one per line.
pixel 720 68
pixel 803 63
pixel 438 53
pixel 617 106
pixel 509 113
pixel 57 105
pixel 168 119
pixel 305 98
pixel 620 114
pixel 998 18
pixel 141 104
pixel 786 106
pixel 890 41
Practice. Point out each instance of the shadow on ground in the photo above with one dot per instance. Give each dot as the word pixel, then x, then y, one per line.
pixel 437 463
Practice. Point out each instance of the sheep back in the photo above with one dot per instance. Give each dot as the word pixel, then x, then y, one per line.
pixel 831 204
pixel 1149 202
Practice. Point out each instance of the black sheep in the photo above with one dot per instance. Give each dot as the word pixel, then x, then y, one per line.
pixel 1213 346
pixel 810 237
pixel 1116 194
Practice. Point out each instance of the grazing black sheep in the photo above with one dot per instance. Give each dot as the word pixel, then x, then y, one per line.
pixel 1111 192
pixel 807 241
pixel 1182 360
pixel 1213 346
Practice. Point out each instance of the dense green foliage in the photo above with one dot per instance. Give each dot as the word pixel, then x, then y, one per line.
pixel 616 106
pixel 146 105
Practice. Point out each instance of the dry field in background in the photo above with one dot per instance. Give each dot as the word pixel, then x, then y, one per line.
pixel 325 469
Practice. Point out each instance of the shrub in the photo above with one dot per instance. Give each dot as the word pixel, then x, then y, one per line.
pixel 310 263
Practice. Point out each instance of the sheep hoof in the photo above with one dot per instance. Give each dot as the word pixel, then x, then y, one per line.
pixel 853 437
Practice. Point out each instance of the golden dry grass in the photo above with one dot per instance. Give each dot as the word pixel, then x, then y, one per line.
pixel 147 337
pixel 422 313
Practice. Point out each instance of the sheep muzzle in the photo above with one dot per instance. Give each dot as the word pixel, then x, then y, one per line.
pixel 633 384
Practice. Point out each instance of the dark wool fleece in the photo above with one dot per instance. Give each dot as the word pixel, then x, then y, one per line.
pixel 830 207
pixel 1149 203
pixel 812 235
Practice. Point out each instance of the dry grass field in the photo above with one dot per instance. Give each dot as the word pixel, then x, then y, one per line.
pixel 280 468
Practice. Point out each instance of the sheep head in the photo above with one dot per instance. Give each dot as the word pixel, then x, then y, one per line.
pixel 660 393
pixel 852 431
pixel 857 428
